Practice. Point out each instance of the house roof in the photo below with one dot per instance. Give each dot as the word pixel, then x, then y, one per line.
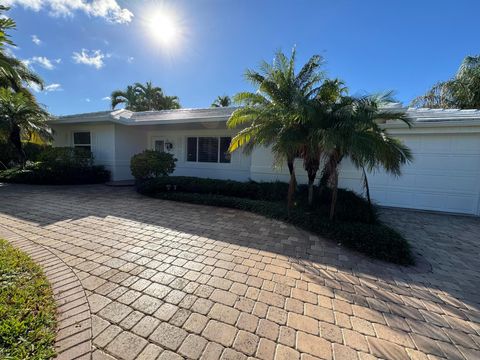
pixel 202 115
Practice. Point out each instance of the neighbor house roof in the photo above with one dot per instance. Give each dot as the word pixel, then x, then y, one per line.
pixel 422 117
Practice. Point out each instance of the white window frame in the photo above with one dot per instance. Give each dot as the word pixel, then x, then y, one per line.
pixel 218 137
pixel 81 145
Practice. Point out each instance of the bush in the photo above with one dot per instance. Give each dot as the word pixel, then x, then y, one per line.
pixel 350 207
pixel 152 164
pixel 375 240
pixel 8 155
pixel 33 150
pixel 58 166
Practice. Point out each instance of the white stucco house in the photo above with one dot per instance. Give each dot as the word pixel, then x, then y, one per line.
pixel 444 176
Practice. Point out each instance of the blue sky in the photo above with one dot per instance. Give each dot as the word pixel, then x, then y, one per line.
pixel 86 49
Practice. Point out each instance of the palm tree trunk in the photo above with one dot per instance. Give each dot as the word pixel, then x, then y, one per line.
pixel 312 174
pixel 292 184
pixel 16 141
pixel 367 188
pixel 333 168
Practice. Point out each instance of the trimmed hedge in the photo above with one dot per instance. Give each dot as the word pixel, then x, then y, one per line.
pixel 59 166
pixel 350 207
pixel 373 239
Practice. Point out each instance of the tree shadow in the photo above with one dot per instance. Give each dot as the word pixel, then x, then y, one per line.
pixel 446 247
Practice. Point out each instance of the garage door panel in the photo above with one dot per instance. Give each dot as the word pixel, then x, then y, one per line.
pixel 444 175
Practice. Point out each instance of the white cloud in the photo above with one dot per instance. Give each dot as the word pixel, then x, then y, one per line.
pixel 107 9
pixel 87 100
pixel 91 58
pixel 43 62
pixel 106 98
pixel 36 40
pixel 53 87
pixel 47 88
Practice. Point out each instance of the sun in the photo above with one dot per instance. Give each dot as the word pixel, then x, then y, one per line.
pixel 164 28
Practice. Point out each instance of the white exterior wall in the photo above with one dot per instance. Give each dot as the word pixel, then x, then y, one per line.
pixel 129 140
pixel 237 169
pixel 102 139
pixel 444 175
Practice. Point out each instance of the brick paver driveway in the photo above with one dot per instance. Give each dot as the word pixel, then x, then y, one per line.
pixel 170 280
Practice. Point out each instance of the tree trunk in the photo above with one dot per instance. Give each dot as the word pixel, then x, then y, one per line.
pixel 292 184
pixel 334 161
pixel 312 173
pixel 333 203
pixel 367 188
pixel 16 141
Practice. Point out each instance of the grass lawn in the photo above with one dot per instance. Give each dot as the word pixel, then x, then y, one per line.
pixel 27 308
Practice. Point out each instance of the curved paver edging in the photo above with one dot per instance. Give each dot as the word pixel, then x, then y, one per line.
pixel 74 326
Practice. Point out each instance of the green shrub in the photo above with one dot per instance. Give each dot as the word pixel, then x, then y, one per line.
pixel 9 156
pixel 350 207
pixel 152 164
pixel 33 150
pixel 59 166
pixel 66 157
pixel 375 240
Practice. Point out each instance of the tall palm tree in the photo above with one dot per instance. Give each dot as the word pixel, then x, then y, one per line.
pixel 270 116
pixel 462 91
pixel 21 117
pixel 354 130
pixel 222 101
pixel 128 97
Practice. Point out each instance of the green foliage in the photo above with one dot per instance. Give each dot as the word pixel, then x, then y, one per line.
pixel 27 308
pixel 461 92
pixel 34 150
pixel 65 158
pixel 351 207
pixel 374 239
pixel 222 101
pixel 9 156
pixel 144 97
pixel 59 165
pixel 152 164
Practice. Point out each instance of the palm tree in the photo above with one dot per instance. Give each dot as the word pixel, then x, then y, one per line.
pixel 13 72
pixel 140 97
pixel 462 91
pixel 128 97
pixel 354 130
pixel 314 126
pixel 222 101
pixel 270 116
pixel 21 117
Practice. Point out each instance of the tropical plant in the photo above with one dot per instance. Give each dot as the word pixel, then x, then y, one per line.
pixel 353 129
pixel 128 97
pixel 222 101
pixel 20 118
pixel 462 91
pixel 270 116
pixel 144 97
pixel 14 73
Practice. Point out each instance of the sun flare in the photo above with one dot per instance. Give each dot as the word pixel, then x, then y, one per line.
pixel 164 27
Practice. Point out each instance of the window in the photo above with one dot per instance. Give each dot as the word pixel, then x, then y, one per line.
pixel 82 140
pixel 208 149
pixel 159 145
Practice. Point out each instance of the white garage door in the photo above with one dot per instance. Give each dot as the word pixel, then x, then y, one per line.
pixel 444 176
